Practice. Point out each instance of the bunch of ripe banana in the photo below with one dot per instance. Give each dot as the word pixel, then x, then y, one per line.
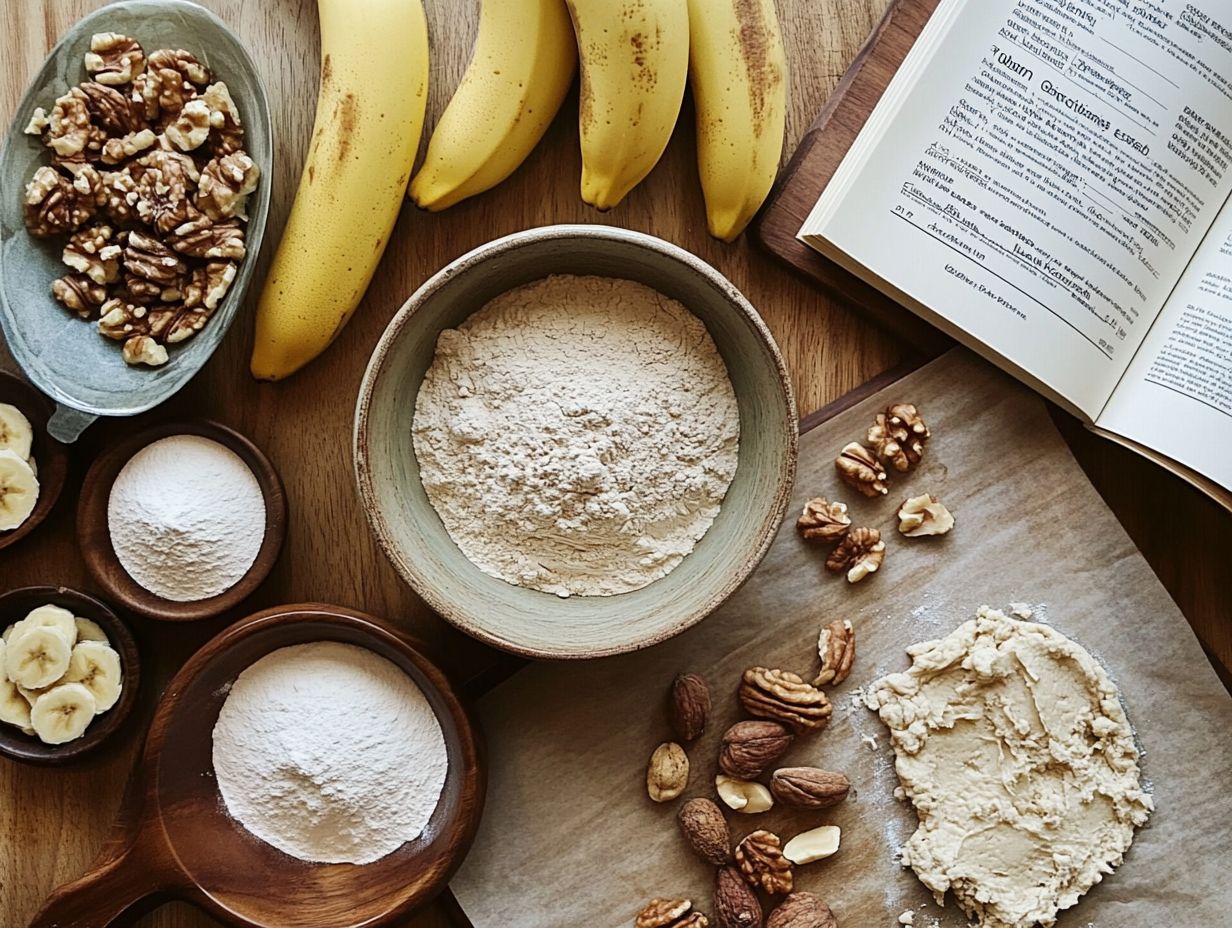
pixel 635 58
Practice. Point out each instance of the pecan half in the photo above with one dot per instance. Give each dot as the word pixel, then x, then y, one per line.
pixel 735 906
pixel 688 706
pixel 202 238
pixel 809 787
pixel 760 859
pixel 823 520
pixel 898 436
pixel 858 469
pixel 859 554
pixel 782 696
pixel 704 827
pixel 148 258
pixel 750 747
pixel 836 646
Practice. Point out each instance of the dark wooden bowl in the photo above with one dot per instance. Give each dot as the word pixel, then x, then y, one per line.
pixel 28 749
pixel 174 839
pixel 49 455
pixel 95 538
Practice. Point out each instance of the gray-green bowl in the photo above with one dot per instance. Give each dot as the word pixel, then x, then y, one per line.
pixel 539 624
pixel 65 357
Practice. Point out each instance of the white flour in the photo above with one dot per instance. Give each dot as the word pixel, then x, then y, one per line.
pixel 330 753
pixel 186 518
pixel 577 435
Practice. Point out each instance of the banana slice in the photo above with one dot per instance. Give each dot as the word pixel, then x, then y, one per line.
pixel 19 490
pixel 89 630
pixel 8 632
pixel 36 658
pixel 96 666
pixel 16 433
pixel 59 620
pixel 13 707
pixel 31 696
pixel 62 713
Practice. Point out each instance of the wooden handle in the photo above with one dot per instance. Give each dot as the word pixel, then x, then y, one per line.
pixel 117 891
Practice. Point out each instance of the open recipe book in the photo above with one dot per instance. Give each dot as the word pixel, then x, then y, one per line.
pixel 1050 182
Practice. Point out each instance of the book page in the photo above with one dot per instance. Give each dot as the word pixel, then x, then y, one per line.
pixel 1177 394
pixel 1040 178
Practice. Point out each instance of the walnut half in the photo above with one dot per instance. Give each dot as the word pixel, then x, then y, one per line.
pixel 859 554
pixel 823 520
pixel 921 516
pixel 858 469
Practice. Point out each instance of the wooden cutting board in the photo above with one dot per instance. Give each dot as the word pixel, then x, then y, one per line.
pixel 569 837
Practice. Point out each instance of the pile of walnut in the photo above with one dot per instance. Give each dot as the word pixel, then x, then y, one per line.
pixel 149 179
pixel 897 438
pixel 783 707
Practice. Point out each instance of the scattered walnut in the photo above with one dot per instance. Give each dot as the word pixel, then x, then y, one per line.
pixel 92 252
pixel 38 122
pixel 802 910
pixel 148 258
pixel 113 58
pixel 735 905
pixel 924 515
pixel 823 520
pixel 760 859
pixel 704 827
pixel 225 185
pixel 858 469
pixel 836 646
pixel 226 129
pixel 749 747
pixel 56 204
pixel 859 554
pixel 784 697
pixel 898 436
pixel 670 913
pixel 191 126
pixel 142 349
pixel 121 149
pixel 79 294
pixel 202 238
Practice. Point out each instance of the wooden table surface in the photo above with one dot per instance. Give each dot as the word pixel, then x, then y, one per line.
pixel 54 821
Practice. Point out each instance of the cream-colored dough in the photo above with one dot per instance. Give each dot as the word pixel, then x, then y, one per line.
pixel 1012 744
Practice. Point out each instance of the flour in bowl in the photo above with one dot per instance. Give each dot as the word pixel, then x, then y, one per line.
pixel 577 435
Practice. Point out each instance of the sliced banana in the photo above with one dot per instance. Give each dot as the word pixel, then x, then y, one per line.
pixel 89 630
pixel 13 707
pixel 62 713
pixel 16 433
pixel 19 490
pixel 31 696
pixel 36 658
pixel 8 632
pixel 96 666
pixel 58 620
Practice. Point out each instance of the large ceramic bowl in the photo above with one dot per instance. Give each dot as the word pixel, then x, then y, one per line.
pixel 65 357
pixel 539 624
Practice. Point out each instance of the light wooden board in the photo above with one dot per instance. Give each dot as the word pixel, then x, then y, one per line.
pixel 571 838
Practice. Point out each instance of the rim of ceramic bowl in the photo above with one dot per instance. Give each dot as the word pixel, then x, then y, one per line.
pixel 361 439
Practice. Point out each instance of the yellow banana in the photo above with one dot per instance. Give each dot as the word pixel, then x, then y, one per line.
pixel 738 73
pixel 523 63
pixel 370 110
pixel 635 61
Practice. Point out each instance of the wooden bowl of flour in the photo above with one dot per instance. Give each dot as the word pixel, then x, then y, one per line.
pixel 526 621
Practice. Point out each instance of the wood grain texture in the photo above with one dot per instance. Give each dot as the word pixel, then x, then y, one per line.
pixel 59 820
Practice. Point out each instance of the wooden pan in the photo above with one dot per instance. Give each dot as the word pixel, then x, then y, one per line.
pixel 174 840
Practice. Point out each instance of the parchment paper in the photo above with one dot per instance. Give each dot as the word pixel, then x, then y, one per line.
pixel 569 837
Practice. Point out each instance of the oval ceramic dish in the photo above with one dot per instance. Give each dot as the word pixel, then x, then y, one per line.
pixel 94 536
pixel 539 624
pixel 16 605
pixel 65 357
pixel 174 839
pixel 50 457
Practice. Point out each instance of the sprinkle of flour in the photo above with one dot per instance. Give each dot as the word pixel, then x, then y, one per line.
pixel 330 753
pixel 577 435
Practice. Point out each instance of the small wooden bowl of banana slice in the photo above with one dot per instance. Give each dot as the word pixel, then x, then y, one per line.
pixel 33 465
pixel 69 672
